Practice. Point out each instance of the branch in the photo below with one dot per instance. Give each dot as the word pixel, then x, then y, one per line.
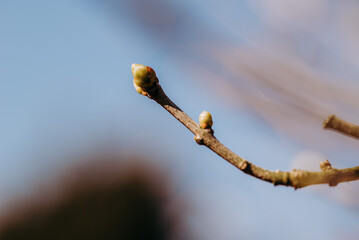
pixel 339 125
pixel 146 83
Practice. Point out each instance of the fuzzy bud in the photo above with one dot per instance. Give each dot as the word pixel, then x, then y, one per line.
pixel 205 120
pixel 143 76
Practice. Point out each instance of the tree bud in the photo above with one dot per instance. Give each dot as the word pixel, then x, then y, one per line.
pixel 143 76
pixel 205 120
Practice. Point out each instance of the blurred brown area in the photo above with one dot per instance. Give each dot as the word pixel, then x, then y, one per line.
pixel 98 200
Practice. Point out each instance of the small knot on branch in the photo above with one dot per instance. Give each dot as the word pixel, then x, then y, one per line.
pixel 199 140
pixel 297 173
pixel 325 165
pixel 243 165
pixel 333 183
pixel 296 177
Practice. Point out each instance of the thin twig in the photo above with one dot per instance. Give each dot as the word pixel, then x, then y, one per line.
pixel 339 125
pixel 295 178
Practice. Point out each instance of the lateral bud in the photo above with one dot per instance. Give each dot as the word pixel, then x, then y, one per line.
pixel 205 120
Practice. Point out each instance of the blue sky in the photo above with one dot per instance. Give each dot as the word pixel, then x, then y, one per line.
pixel 66 88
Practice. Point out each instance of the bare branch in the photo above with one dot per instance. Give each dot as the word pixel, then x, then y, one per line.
pixel 339 125
pixel 204 136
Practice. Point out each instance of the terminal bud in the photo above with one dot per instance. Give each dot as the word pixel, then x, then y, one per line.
pixel 143 76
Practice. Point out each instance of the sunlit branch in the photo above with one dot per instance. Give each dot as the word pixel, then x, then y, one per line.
pixel 204 136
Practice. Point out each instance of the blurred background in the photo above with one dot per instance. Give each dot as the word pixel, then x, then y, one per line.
pixel 83 155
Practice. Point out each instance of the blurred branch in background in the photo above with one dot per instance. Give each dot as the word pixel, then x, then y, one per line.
pixel 287 94
pixel 99 200
pixel 293 68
